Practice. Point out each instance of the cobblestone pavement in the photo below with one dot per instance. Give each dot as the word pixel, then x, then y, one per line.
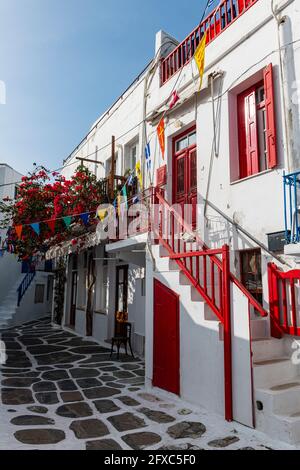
pixel 61 391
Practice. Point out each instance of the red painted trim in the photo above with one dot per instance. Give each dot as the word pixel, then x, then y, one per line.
pixel 227 334
pixel 270 116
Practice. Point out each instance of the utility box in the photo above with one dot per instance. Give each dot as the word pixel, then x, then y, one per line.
pixel 277 241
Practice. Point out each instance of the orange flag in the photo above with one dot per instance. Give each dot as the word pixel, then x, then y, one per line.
pixel 19 229
pixel 161 136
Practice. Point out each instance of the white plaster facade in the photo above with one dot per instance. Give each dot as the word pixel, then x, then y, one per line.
pixel 237 58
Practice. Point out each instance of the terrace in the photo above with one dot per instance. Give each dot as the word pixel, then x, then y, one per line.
pixel 214 24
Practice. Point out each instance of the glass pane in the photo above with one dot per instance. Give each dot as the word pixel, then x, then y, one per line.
pixel 192 139
pixel 121 298
pixel 262 139
pixel 181 144
pixel 193 169
pixel 180 175
pixel 121 275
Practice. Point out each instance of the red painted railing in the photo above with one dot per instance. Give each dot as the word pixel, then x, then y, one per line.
pixel 221 18
pixel 207 270
pixel 284 293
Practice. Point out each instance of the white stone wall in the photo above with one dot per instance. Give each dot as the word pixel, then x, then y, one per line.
pixel 240 53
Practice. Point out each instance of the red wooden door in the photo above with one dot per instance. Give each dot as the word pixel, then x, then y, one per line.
pixel 166 339
pixel 185 176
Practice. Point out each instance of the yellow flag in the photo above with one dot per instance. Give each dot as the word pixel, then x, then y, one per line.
pixel 139 174
pixel 199 57
pixel 102 213
pixel 119 200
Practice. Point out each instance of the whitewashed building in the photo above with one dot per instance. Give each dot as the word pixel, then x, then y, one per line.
pixel 221 340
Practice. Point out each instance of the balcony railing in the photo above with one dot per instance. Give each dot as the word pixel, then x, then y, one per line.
pixel 223 16
pixel 292 207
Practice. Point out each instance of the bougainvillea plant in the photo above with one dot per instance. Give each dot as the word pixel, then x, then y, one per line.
pixel 45 199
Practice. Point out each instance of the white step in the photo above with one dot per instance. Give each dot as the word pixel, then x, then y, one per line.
pixel 270 372
pixel 259 328
pixel 284 427
pixel 267 348
pixel 280 399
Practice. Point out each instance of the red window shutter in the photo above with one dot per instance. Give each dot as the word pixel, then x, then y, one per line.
pixel 248 142
pixel 270 117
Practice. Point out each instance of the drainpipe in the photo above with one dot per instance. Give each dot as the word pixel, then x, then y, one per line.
pixel 280 21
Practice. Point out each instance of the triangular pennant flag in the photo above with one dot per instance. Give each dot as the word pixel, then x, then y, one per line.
pixel 148 155
pixel 19 229
pixel 67 220
pixel 161 136
pixel 139 174
pixel 36 227
pixel 199 57
pixel 119 204
pixel 175 99
pixel 102 213
pixel 124 192
pixel 130 180
pixel 51 225
pixel 135 200
pixel 85 218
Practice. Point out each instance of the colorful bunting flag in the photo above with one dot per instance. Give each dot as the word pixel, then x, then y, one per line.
pixel 85 218
pixel 124 192
pixel 175 99
pixel 161 136
pixel 67 220
pixel 139 173
pixel 119 199
pixel 199 57
pixel 36 227
pixel 102 213
pixel 51 225
pixel 130 180
pixel 135 200
pixel 19 229
pixel 148 155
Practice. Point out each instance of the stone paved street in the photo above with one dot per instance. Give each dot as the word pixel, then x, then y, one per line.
pixel 61 391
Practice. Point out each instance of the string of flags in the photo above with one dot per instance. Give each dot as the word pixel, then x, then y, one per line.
pixel 121 201
pixel 36 226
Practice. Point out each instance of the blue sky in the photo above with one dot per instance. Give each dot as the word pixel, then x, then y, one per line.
pixel 65 61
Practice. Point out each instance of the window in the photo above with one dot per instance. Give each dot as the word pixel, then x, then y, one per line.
pixel 251 275
pixel 256 127
pixel 131 154
pixel 185 142
pixel 39 294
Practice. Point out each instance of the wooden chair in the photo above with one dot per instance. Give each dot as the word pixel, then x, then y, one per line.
pixel 123 336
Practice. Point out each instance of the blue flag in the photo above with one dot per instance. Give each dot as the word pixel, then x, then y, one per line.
pixel 148 155
pixel 85 218
pixel 36 227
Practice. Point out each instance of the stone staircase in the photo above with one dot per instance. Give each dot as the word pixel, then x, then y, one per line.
pixel 276 388
pixel 9 306
pixel 276 378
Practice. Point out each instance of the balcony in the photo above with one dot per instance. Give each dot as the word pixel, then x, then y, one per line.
pixel 220 19
pixel 291 184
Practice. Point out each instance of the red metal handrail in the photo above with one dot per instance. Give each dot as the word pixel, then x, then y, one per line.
pixel 214 24
pixel 284 311
pixel 185 227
